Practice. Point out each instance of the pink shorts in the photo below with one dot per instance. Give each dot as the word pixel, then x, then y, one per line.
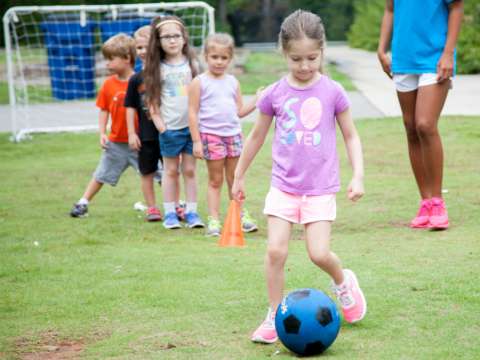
pixel 217 147
pixel 300 209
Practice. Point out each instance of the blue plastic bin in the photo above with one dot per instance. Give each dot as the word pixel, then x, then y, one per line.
pixel 71 56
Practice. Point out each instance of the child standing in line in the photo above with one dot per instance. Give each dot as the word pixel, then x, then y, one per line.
pixel 119 50
pixel 169 69
pixel 421 67
pixel 146 141
pixel 305 170
pixel 215 105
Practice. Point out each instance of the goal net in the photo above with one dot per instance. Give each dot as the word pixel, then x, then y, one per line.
pixel 54 61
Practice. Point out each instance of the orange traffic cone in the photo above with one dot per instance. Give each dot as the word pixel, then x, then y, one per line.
pixel 232 234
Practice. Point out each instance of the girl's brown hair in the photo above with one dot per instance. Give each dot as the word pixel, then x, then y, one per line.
pixel 302 24
pixel 155 55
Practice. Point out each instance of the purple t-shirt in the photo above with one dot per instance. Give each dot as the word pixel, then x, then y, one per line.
pixel 304 151
pixel 218 106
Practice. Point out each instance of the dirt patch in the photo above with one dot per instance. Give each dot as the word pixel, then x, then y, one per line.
pixel 50 346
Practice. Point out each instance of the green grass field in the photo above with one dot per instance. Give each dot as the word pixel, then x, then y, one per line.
pixel 112 286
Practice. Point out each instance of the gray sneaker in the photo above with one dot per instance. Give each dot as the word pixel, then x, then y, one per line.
pixel 79 210
pixel 248 224
pixel 213 227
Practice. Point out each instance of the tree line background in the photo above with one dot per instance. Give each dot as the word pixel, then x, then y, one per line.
pixel 357 21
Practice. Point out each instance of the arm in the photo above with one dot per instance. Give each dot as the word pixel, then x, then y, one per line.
pixel 157 119
pixel 102 126
pixel 445 64
pixel 193 108
pixel 245 109
pixel 252 145
pixel 353 145
pixel 133 140
pixel 385 38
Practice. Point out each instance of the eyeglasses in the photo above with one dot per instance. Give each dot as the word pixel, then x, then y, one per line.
pixel 175 37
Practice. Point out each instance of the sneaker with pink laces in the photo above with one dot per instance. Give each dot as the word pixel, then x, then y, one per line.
pixel 153 214
pixel 421 221
pixel 266 332
pixel 350 297
pixel 438 214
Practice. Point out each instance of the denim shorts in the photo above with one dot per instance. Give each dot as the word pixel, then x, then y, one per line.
pixel 175 142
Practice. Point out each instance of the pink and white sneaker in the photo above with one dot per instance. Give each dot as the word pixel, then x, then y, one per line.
pixel 438 214
pixel 350 297
pixel 421 221
pixel 266 332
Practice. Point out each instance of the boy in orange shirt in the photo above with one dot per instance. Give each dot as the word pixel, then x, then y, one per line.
pixel 119 51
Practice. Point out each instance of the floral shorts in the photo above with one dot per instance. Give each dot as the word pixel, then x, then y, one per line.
pixel 217 147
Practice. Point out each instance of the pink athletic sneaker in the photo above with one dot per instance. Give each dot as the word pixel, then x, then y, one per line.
pixel 266 332
pixel 350 297
pixel 438 214
pixel 421 221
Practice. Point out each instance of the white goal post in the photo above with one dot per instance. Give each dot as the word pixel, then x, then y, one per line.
pixel 54 63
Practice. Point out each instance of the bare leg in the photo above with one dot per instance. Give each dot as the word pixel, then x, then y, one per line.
pixel 230 165
pixel 408 101
pixel 215 182
pixel 93 187
pixel 189 177
pixel 279 232
pixel 318 247
pixel 430 101
pixel 170 176
pixel 148 190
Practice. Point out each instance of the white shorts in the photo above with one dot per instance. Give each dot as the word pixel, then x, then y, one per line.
pixel 411 82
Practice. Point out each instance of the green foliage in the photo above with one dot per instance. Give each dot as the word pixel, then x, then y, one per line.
pixel 337 15
pixel 365 31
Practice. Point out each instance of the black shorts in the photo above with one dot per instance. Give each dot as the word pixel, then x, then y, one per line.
pixel 148 157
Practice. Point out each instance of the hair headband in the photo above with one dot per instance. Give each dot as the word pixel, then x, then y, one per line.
pixel 169 21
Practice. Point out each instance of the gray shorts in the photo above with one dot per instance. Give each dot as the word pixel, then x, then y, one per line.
pixel 116 158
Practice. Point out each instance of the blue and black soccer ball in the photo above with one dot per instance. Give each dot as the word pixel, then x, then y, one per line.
pixel 307 322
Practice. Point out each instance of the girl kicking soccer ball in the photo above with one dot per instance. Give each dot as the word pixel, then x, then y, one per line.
pixel 305 170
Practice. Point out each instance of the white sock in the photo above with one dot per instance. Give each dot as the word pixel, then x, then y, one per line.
pixel 191 207
pixel 82 201
pixel 169 207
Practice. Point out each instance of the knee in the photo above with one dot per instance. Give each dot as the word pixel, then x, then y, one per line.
pixel 424 129
pixel 188 172
pixel 277 254
pixel 215 182
pixel 321 258
pixel 411 131
pixel 171 172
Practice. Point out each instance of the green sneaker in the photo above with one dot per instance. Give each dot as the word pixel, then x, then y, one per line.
pixel 248 224
pixel 213 227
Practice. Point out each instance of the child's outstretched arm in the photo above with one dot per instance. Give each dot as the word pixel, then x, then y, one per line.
pixel 254 142
pixel 355 189
pixel 133 139
pixel 102 126
pixel 385 38
pixel 194 92
pixel 245 109
pixel 445 64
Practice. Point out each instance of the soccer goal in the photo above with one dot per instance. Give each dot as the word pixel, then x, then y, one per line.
pixel 54 62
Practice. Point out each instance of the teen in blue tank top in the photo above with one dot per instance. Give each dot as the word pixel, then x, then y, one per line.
pixel 422 35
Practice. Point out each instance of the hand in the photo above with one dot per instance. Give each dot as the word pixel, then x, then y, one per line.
pixel 445 67
pixel 103 141
pixel 386 63
pixel 162 128
pixel 355 189
pixel 238 189
pixel 198 149
pixel 134 142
